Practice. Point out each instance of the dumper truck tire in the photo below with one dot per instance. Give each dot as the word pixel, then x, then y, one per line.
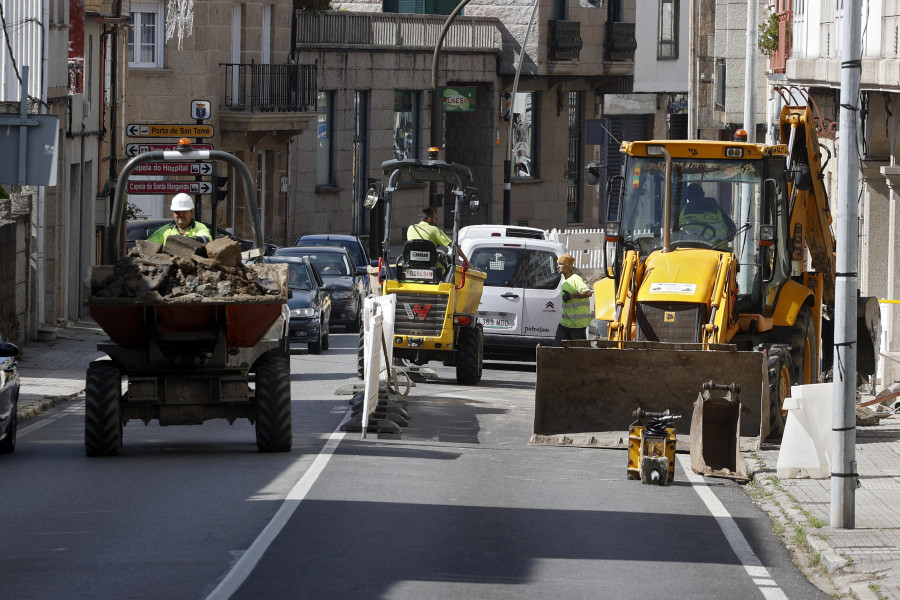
pixel 779 369
pixel 469 351
pixel 102 409
pixel 273 403
pixel 803 349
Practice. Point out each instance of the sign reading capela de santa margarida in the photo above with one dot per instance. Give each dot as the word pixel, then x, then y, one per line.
pixel 458 99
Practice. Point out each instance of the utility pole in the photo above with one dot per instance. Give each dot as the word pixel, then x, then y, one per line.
pixel 843 437
pixel 750 74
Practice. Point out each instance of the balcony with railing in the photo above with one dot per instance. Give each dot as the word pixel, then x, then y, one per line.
pixel 342 29
pixel 564 40
pixel 620 42
pixel 264 98
pixel 778 58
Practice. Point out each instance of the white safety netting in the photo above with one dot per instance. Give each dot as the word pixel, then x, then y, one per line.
pixel 179 19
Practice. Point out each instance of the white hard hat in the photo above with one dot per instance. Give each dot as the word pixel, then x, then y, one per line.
pixel 182 201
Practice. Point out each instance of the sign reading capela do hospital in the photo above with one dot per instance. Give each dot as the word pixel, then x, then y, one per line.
pixel 458 99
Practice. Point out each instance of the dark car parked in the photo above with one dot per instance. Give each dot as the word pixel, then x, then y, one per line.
pixel 9 395
pixel 352 243
pixel 345 281
pixel 309 303
pixel 143 229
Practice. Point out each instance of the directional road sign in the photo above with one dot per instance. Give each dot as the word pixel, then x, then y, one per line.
pixel 173 168
pixel 169 187
pixel 135 149
pixel 168 130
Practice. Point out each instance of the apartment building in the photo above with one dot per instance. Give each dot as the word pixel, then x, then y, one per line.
pixel 806 67
pixel 374 61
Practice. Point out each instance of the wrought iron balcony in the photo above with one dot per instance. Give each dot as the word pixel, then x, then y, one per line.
pixel 564 40
pixel 270 88
pixel 620 42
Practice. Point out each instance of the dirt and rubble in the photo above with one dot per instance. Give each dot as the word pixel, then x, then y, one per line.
pixel 186 269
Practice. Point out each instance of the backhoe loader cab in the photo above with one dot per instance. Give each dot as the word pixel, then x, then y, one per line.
pixel 437 299
pixel 722 269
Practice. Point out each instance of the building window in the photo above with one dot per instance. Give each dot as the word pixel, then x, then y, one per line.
pixel 667 47
pixel 525 134
pixel 720 83
pixel 145 38
pixel 406 124
pixel 421 7
pixel 324 135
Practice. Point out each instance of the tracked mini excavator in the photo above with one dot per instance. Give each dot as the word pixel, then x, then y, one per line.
pixel 721 268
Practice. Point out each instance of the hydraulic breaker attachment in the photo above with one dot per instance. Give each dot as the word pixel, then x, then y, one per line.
pixel 715 426
pixel 651 447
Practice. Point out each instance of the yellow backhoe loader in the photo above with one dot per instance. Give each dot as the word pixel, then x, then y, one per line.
pixel 721 268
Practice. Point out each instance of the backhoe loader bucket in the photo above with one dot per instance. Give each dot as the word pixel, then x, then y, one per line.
pixel 586 392
pixel 715 423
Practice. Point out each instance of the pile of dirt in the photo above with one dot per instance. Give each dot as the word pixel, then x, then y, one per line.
pixel 186 268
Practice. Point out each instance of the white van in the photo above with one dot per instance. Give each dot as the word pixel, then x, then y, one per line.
pixel 522 299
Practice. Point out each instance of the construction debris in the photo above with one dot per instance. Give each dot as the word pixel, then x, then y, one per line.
pixel 186 268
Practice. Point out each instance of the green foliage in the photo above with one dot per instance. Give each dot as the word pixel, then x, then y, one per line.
pixel 131 211
pixel 768 34
pixel 3 194
pixel 313 5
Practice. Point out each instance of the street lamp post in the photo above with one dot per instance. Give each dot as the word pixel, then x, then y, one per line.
pixel 437 122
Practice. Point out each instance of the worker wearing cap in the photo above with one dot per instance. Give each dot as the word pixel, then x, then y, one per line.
pixel 576 302
pixel 702 217
pixel 182 208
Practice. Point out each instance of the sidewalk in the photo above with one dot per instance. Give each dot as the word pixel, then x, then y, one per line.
pixel 53 372
pixel 861 563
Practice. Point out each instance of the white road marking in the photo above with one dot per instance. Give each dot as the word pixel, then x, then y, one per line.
pixel 249 559
pixel 23 431
pixel 752 565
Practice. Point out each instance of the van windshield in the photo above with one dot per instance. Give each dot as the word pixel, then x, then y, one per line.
pixel 517 267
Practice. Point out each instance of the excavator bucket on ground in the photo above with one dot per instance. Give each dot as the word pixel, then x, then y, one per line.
pixel 587 391
pixel 715 443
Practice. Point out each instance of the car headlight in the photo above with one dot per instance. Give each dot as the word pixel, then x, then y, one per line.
pixel 340 295
pixel 303 312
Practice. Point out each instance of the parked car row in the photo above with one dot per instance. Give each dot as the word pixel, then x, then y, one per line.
pixel 9 395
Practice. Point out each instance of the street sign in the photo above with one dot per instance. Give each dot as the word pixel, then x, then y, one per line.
pixel 169 187
pixel 169 130
pixel 173 168
pixel 135 149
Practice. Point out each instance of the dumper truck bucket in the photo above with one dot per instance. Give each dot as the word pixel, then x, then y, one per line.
pixel 715 423
pixel 586 392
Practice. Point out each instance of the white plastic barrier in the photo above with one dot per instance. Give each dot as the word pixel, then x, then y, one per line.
pixel 378 335
pixel 806 443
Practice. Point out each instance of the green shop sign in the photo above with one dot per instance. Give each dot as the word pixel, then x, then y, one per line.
pixel 458 99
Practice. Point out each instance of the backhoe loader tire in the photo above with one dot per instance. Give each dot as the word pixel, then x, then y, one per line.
pixel 273 403
pixel 803 349
pixel 102 410
pixel 469 352
pixel 779 369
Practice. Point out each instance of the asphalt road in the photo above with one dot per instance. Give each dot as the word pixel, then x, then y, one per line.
pixel 458 506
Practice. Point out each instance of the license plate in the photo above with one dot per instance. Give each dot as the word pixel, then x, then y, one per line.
pixel 419 273
pixel 494 323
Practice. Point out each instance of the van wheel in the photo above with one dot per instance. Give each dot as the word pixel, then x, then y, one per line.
pixel 102 410
pixel 469 353
pixel 273 403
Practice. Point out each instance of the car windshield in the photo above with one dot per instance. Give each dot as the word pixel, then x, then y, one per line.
pixel 350 246
pixel 299 277
pixel 517 267
pixel 330 264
